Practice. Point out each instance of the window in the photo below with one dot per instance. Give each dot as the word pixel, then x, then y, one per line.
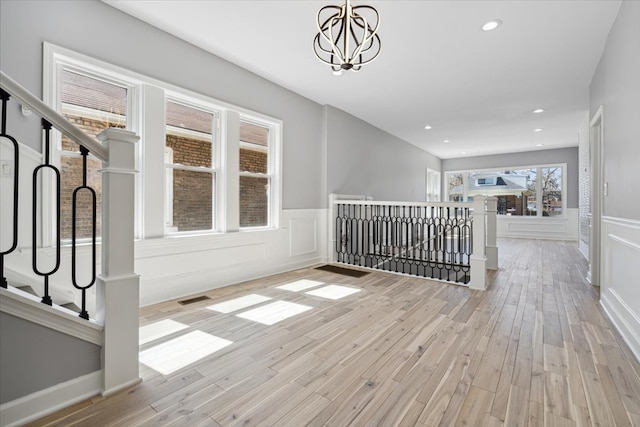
pixel 255 175
pixel 433 185
pixel 204 166
pixel 520 192
pixel 551 191
pixel 486 181
pixel 92 104
pixel 190 160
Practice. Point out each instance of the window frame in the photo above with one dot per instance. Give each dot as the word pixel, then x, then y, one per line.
pixel 272 163
pixel 226 173
pixel 55 60
pixel 539 212
pixel 214 170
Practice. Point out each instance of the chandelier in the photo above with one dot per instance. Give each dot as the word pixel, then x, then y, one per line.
pixel 347 38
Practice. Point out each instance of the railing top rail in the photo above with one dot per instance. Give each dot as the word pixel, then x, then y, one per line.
pixel 56 119
pixel 410 204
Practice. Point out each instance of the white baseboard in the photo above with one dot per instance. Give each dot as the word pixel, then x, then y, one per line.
pixel 625 321
pixel 44 402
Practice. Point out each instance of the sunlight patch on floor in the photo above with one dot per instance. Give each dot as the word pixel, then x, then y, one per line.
pixel 238 303
pixel 159 329
pixel 300 285
pixel 180 352
pixel 275 312
pixel 333 292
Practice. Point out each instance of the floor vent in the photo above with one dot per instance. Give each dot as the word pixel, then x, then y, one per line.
pixel 193 300
pixel 341 270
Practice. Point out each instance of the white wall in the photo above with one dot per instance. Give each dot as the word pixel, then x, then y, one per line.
pixel 363 159
pixel 95 29
pixel 616 86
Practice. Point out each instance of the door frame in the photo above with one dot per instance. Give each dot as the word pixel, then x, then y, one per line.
pixel 598 192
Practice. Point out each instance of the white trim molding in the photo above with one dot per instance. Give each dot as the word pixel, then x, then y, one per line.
pixel 28 307
pixel 619 290
pixel 44 402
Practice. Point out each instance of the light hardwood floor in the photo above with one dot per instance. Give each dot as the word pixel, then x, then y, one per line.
pixel 534 349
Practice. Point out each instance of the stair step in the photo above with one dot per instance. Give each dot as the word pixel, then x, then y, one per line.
pixel 71 306
pixel 28 289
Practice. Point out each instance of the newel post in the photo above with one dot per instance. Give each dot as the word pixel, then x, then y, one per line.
pixel 478 257
pixel 118 291
pixel 331 228
pixel 492 231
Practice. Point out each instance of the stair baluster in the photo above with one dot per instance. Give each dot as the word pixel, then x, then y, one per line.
pixel 16 157
pixel 84 187
pixel 46 299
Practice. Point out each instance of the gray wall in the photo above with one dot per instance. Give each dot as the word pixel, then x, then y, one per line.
pixel 33 357
pixel 98 30
pixel 616 86
pixel 561 155
pixel 362 159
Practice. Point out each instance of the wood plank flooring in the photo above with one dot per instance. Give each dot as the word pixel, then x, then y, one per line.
pixel 534 349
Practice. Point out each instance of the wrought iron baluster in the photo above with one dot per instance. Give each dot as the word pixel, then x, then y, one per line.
pixel 46 299
pixel 84 187
pixel 16 158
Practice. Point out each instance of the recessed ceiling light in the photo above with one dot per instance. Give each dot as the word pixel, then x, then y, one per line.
pixel 538 145
pixel 538 111
pixel 445 141
pixel 427 127
pixel 537 130
pixel 464 152
pixel 491 25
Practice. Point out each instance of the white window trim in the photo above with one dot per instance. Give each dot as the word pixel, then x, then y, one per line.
pixel 538 215
pixel 56 56
pixel 55 59
pixel 274 160
pixel 218 201
pixel 433 186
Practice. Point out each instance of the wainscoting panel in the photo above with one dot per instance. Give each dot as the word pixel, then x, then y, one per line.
pixel 620 284
pixel 302 236
pixel 175 267
pixel 565 228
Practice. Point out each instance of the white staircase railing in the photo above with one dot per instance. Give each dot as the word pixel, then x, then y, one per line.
pixel 117 292
pixel 453 242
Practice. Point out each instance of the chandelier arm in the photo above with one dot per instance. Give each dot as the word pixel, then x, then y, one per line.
pixel 369 36
pixel 379 44
pixel 328 25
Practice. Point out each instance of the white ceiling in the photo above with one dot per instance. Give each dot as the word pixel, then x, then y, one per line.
pixel 476 89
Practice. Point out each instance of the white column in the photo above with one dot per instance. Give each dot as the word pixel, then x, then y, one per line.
pixel 118 289
pixel 230 149
pixel 331 228
pixel 478 258
pixel 492 231
pixel 153 159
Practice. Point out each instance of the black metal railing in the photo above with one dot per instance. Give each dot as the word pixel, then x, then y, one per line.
pixel 47 172
pixel 14 196
pixel 38 175
pixel 427 241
